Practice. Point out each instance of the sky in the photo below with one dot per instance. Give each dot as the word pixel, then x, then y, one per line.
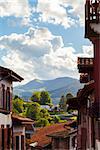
pixel 41 39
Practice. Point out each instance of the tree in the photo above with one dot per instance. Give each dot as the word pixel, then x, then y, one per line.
pixel 42 122
pixel 44 113
pixel 45 98
pixel 69 95
pixel 18 105
pixel 33 111
pixel 62 103
pixel 42 98
pixel 56 119
pixel 36 97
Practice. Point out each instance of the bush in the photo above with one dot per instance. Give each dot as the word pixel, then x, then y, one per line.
pixel 42 122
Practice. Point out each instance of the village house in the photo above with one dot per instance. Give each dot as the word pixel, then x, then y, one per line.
pixel 87 101
pixel 64 140
pixel 7 77
pixel 22 131
pixel 56 137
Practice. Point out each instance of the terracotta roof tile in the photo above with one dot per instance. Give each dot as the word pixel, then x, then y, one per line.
pixel 41 135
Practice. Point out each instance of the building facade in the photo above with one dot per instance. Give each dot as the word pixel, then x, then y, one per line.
pixel 7 77
pixel 22 130
pixel 87 101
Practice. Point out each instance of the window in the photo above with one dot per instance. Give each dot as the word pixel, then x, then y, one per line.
pixel 5 97
pixel 8 136
pixel 8 99
pixel 5 137
pixel 2 92
pixel 17 142
pixel 2 133
pixel 22 142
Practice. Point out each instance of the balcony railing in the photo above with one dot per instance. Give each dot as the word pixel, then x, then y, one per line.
pixel 85 65
pixel 93 11
pixel 85 61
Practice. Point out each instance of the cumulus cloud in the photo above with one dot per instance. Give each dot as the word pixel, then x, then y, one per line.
pixel 40 54
pixel 87 51
pixel 60 11
pixel 63 12
pixel 16 8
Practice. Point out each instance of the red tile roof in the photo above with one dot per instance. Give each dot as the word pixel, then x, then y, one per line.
pixel 41 135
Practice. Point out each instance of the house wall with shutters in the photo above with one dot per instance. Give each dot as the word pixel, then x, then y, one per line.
pixel 5 115
pixel 19 137
pixel 87 127
pixel 3 100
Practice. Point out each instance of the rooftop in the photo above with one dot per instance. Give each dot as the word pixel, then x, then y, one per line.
pixel 21 120
pixel 41 135
pixel 9 74
pixel 63 134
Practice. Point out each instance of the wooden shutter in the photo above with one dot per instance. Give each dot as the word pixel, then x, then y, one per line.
pixel 0 138
pixel 22 142
pixel 8 99
pixel 5 138
pixel 8 137
pixel 10 107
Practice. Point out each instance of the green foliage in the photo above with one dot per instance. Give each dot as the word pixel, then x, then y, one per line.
pixel 36 97
pixel 56 119
pixel 33 111
pixel 42 98
pixel 18 105
pixel 62 103
pixel 42 122
pixel 45 98
pixel 44 113
pixel 16 97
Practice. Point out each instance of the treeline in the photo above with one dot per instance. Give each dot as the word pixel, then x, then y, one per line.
pixel 33 109
pixel 43 98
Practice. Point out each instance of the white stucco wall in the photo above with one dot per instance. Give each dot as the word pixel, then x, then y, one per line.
pixel 19 129
pixel 5 119
pixel 5 82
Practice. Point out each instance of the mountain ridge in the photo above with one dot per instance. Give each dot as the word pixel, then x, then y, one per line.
pixel 56 87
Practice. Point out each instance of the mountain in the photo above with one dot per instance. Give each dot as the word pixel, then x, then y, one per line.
pixel 56 87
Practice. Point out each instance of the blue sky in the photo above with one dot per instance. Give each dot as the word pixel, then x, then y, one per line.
pixel 42 38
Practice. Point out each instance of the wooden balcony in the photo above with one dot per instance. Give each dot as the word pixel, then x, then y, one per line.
pixel 85 65
pixel 92 15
